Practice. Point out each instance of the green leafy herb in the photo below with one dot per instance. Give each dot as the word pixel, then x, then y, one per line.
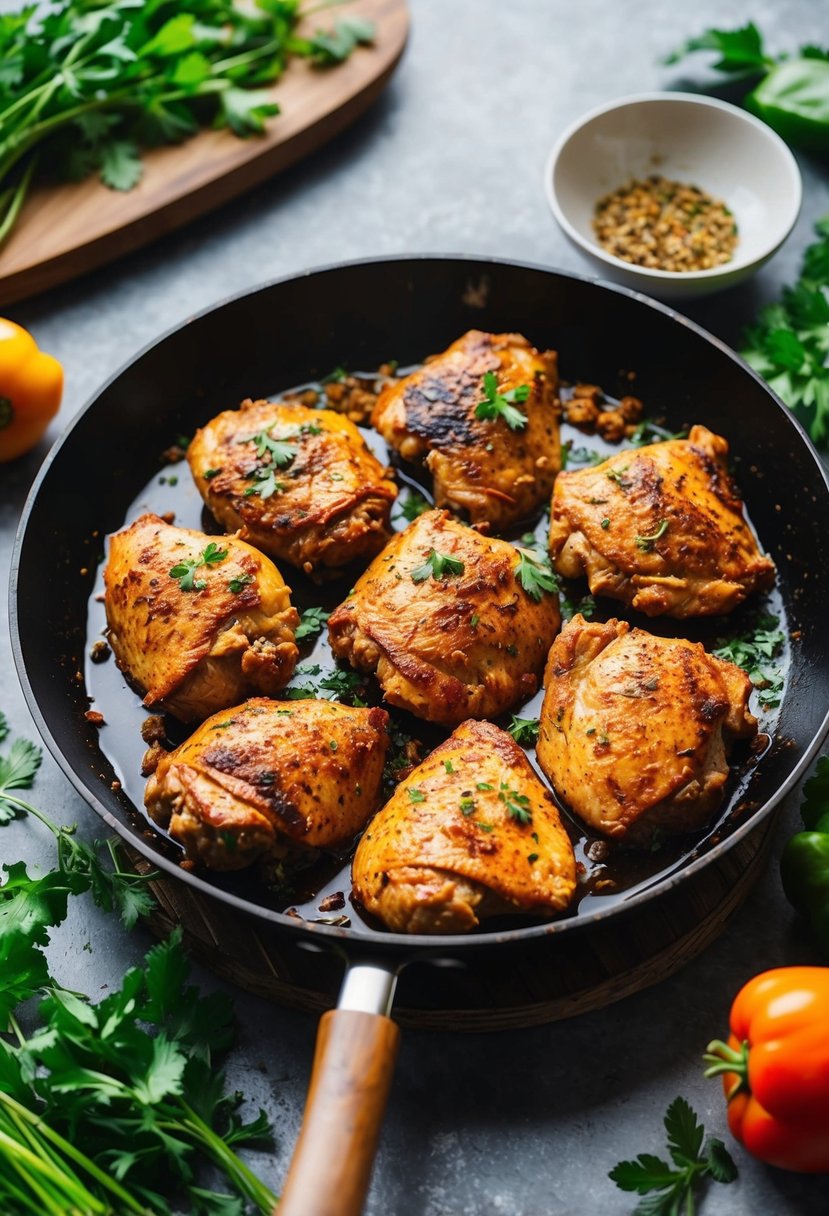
pixel 535 574
pixel 343 685
pixel 84 85
pixel 438 565
pixel 185 572
pixel 789 344
pixel 236 584
pixel 413 505
pixel 791 91
pixel 646 543
pixel 483 785
pixel 586 606
pixel 517 804
pixel 671 1187
pixel 266 484
pixel 448 766
pixel 311 624
pixel 618 475
pixel 753 652
pixel 281 452
pixel 648 432
pixel 502 405
pixel 583 456
pixel 467 805
pixel 524 730
pixel 415 795
pixel 485 827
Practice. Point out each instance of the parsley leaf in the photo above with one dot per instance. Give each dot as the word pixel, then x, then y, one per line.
pixel 789 343
pixel 331 48
pixel 121 167
pixel 524 730
pixel 671 1188
pixel 535 574
pixel 439 565
pixel 17 772
pixel 646 543
pixel 502 405
pixel 281 452
pixel 266 484
pixel 413 505
pixel 185 571
pixel 752 652
pixel 741 50
pixel 517 804
pixel 312 623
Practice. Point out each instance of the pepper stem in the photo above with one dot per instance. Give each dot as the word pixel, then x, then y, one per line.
pixel 722 1057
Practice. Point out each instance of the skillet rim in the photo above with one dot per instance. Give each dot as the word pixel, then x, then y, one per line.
pixel 380 943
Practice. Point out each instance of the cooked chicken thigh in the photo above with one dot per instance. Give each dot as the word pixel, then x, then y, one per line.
pixel 471 833
pixel 298 483
pixel 196 622
pixel 660 527
pixel 442 620
pixel 497 475
pixel 635 729
pixel 269 778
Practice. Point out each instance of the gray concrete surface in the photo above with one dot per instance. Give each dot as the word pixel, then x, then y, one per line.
pixel 449 160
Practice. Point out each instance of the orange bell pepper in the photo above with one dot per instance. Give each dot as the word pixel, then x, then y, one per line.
pixel 31 385
pixel 775 1068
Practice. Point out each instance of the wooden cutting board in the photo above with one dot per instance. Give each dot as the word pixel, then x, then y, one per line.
pixel 64 231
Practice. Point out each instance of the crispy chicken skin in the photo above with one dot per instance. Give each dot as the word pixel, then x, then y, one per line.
pixel 299 484
pixel 480 467
pixel 635 729
pixel 660 527
pixel 268 778
pixel 194 651
pixel 470 833
pixel 466 644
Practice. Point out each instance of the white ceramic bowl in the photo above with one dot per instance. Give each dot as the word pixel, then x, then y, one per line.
pixel 687 138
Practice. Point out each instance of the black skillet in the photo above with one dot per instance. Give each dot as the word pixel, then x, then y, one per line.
pixel 359 316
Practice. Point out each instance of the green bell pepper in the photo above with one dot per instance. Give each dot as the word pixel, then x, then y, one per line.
pixel 804 869
pixel 794 99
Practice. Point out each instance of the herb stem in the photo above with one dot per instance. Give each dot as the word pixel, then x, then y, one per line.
pixel 17 200
pixel 245 1180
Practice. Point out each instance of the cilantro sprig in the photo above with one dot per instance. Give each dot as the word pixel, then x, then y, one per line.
pixel 438 565
pixel 311 624
pixel 517 804
pixel 413 506
pixel 495 404
pixel 754 652
pixel 85 86
pixel 524 730
pixel 185 571
pixel 670 1188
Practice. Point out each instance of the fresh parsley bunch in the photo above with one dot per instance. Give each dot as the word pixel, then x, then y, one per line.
pixel 114 1107
pixel 85 84
pixel 789 344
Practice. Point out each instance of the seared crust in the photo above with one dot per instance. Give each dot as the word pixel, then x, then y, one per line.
pixel 266 775
pixel 332 498
pixel 661 528
pixel 471 644
pixel 192 652
pixel 446 851
pixel 635 729
pixel 480 467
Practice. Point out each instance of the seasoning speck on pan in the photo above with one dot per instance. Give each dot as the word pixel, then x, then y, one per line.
pixel 665 225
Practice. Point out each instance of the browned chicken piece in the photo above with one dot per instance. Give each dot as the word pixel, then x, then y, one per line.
pixel 196 622
pixel 442 620
pixel 480 466
pixel 270 779
pixel 471 833
pixel 298 483
pixel 635 729
pixel 660 527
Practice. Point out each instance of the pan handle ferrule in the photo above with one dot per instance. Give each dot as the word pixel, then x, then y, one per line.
pixel 368 988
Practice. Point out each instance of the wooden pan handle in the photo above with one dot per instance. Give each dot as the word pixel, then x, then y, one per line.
pixel 353 1066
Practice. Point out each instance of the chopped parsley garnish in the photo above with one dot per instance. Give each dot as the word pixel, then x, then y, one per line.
pixel 649 432
pixel 343 685
pixel 605 524
pixel 267 485
pixel 467 805
pixel 413 505
pixel 535 574
pixel 586 606
pixel 646 543
pixel 524 730
pixel 579 456
pixel 531 857
pixel 185 571
pixel 484 785
pixel 439 565
pixel 209 474
pixel 449 766
pixel 752 652
pixel 618 475
pixel 236 584
pixel 311 623
pixel 502 405
pixel 485 827
pixel 280 451
pixel 473 620
pixel 415 795
pixel 517 804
